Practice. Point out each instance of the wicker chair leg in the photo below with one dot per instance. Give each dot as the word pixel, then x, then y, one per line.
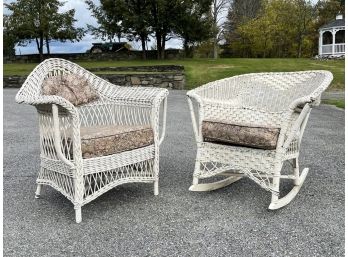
pixel 156 187
pixel 279 203
pixel 78 214
pixel 196 171
pixel 276 183
pixel 156 173
pixel 38 191
pixel 296 172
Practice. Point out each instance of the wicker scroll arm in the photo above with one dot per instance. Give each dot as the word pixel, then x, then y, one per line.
pixel 59 104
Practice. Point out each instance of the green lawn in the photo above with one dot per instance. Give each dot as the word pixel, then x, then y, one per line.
pixel 200 71
pixel 338 103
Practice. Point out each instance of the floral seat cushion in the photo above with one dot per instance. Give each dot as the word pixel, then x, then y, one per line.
pixel 76 89
pixel 106 140
pixel 240 134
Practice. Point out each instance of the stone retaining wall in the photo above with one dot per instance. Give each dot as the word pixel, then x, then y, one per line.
pixel 173 78
pixel 154 68
pixel 13 81
pixel 121 55
pixel 170 81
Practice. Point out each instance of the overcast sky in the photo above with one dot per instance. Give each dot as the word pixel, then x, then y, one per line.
pixel 84 17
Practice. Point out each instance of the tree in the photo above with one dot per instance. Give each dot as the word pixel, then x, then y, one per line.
pixel 109 15
pixel 163 18
pixel 282 28
pixel 217 8
pixel 40 20
pixel 193 24
pixel 259 34
pixel 10 38
pixel 122 17
pixel 137 22
pixel 305 14
pixel 327 10
pixel 239 13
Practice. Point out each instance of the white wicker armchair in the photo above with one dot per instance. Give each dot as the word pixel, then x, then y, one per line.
pixel 64 166
pixel 271 108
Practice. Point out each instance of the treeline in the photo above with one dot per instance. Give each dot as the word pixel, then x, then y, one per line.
pixel 252 28
pixel 277 28
pixel 139 20
pixel 136 20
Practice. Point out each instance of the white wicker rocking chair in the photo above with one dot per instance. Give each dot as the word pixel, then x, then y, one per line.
pixel 63 165
pixel 254 105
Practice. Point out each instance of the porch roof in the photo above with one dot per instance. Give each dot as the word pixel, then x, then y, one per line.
pixel 333 23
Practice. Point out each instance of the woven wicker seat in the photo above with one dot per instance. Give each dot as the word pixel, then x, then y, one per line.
pixel 96 142
pixel 106 140
pixel 249 125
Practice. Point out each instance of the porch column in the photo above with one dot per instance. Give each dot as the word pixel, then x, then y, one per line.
pixel 320 51
pixel 333 40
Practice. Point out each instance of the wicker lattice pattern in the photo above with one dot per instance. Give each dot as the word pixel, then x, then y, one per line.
pixel 62 166
pixel 282 100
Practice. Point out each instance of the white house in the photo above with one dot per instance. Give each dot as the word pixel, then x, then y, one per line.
pixel 331 39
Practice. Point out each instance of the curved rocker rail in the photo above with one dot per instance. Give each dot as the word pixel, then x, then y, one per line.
pixel 277 204
pixel 214 185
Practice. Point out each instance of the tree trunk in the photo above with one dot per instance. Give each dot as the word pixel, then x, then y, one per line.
pixel 299 48
pixel 163 46
pixel 48 46
pixel 215 49
pixel 186 49
pixel 41 48
pixel 37 44
pixel 159 46
pixel 143 46
pixel 264 49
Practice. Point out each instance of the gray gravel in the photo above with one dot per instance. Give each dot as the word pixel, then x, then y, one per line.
pixel 130 221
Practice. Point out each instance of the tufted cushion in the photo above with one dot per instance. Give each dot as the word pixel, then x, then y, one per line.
pixel 106 140
pixel 76 89
pixel 239 134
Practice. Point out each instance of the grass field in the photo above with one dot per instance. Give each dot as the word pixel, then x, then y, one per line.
pixel 338 103
pixel 200 71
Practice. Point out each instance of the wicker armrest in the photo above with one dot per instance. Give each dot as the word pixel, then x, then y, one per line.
pixel 47 100
pixel 292 127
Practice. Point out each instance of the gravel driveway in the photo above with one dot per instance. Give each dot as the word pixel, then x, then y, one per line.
pixel 130 221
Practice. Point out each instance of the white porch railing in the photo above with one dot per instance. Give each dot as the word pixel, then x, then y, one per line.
pixel 326 49
pixel 338 49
